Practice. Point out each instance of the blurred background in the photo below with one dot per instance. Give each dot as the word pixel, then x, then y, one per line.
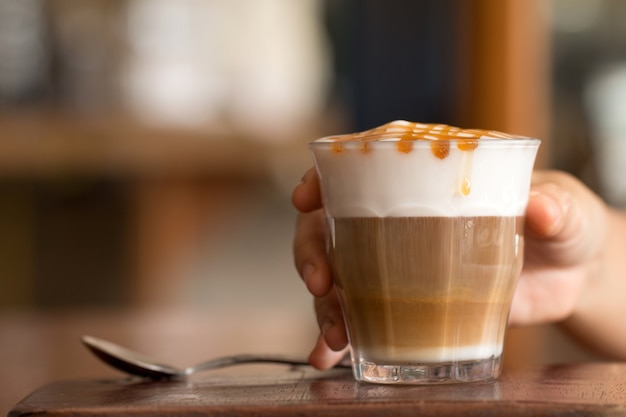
pixel 148 148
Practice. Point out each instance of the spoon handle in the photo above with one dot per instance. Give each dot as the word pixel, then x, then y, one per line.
pixel 244 359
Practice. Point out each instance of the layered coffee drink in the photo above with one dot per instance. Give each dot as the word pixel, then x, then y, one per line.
pixel 425 239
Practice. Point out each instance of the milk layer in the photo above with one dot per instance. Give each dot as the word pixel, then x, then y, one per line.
pixel 393 355
pixel 491 180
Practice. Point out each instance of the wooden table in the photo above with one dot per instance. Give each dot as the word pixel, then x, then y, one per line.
pixel 597 389
pixel 46 371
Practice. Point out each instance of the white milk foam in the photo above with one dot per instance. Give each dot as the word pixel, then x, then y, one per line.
pixel 433 355
pixel 491 180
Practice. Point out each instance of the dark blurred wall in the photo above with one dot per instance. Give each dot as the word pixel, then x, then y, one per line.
pixel 395 59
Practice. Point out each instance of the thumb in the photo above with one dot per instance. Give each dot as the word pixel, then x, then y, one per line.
pixel 564 220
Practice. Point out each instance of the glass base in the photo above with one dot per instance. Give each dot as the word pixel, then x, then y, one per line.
pixel 428 373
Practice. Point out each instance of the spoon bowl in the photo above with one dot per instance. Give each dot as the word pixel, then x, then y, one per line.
pixel 134 363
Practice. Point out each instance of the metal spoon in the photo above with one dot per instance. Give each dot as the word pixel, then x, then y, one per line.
pixel 134 363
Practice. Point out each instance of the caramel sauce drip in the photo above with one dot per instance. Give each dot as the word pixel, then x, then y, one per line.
pixel 405 133
pixel 466 186
pixel 336 147
pixel 440 149
pixel 405 146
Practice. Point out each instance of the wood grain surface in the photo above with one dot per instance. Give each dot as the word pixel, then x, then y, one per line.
pixel 597 389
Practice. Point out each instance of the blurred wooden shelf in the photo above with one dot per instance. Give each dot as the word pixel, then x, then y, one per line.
pixel 45 144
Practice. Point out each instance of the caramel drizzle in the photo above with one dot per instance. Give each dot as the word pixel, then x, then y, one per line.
pixel 440 136
pixel 406 133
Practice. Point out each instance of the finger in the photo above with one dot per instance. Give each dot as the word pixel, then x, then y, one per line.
pixel 563 221
pixel 330 320
pixel 309 252
pixel 546 296
pixel 546 210
pixel 565 234
pixel 306 195
pixel 323 357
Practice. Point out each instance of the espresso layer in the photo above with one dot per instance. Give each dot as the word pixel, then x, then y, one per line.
pixel 426 329
pixel 426 288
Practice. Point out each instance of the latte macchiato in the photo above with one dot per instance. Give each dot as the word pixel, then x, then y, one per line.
pixel 425 240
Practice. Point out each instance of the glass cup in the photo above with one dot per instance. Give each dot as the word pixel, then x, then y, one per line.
pixel 425 240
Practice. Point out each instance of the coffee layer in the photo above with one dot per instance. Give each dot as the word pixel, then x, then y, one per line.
pixel 426 288
pixel 404 329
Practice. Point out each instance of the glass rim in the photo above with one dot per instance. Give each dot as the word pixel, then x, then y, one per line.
pixel 517 141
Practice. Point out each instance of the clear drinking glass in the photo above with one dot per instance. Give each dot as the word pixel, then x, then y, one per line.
pixel 425 240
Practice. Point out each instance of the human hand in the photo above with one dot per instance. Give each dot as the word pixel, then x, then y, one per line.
pixel 566 231
pixel 566 228
pixel 309 249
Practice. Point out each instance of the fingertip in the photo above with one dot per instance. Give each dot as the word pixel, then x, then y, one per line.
pixel 306 194
pixel 317 280
pixel 545 211
pixel 318 357
pixel 335 336
pixel 323 357
pixel 298 195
